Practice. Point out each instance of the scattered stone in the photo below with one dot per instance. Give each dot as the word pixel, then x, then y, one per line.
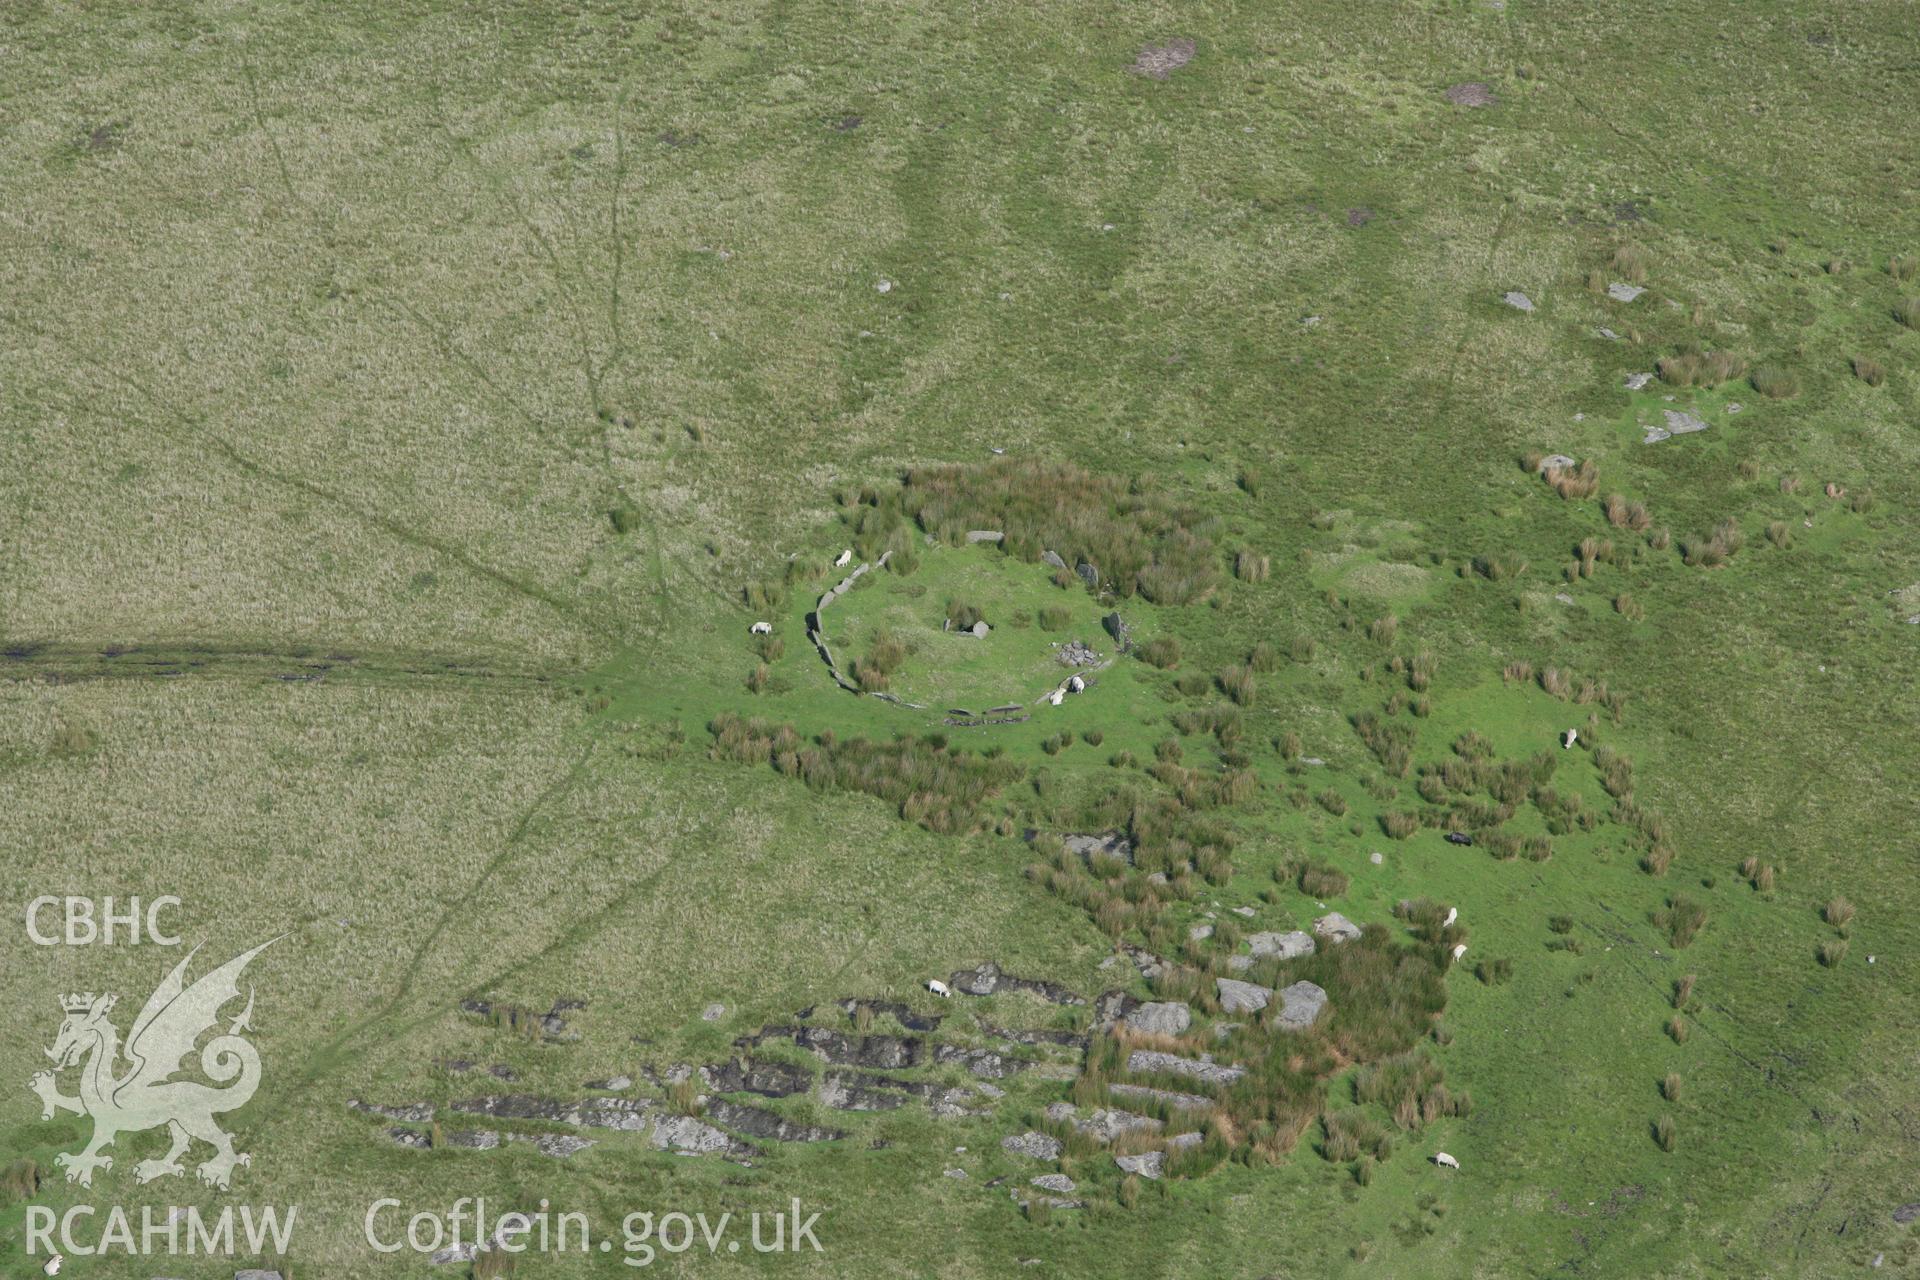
pixel 986 979
pixel 1734 406
pixel 1244 911
pixel 1608 334
pixel 758 1122
pixel 1376 857
pixel 1200 933
pixel 884 1052
pixel 1680 422
pixel 1285 946
pixel 1162 1018
pixel 899 1012
pixel 1300 1005
pixel 1158 61
pixel 1111 1007
pixel 1203 1068
pixel 1309 321
pixel 1624 292
pixel 768 1079
pixel 1088 574
pixel 1635 381
pixel 1335 927
pixel 843 1092
pixel 1056 1182
pixel 1517 300
pixel 1033 1145
pixel 885 286
pixel 1052 560
pixel 1555 462
pixel 1225 1030
pixel 1078 653
pixel 1563 597
pixel 557 1145
pixel 1471 93
pixel 1150 965
pixel 979 629
pixel 407 1112
pixel 1459 837
pixel 1148 1165
pixel 626 1114
pixel 470 1139
pixel 1907 1213
pixel 984 1063
pixel 612 1084
pixel 713 1013
pixel 1117 628
pixel 1241 997
pixel 985 535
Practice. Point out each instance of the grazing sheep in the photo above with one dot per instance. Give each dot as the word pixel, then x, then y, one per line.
pixel 1459 949
pixel 845 557
pixel 1453 913
pixel 1445 1161
pixel 1075 684
pixel 1057 696
pixel 762 628
pixel 53 1265
pixel 1568 738
pixel 1459 837
pixel 939 988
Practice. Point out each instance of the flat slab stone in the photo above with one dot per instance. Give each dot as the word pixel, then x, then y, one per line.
pixel 1285 946
pixel 1058 1182
pixel 1635 381
pixel 1242 997
pixel 1148 1165
pixel 1620 292
pixel 1203 1068
pixel 689 1136
pixel 1106 1124
pixel 1300 1006
pixel 1032 1144
pixel 1146 1093
pixel 1555 462
pixel 1518 301
pixel 1335 927
pixel 1162 1018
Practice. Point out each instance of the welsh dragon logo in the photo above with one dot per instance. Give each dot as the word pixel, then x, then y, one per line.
pixel 145 1095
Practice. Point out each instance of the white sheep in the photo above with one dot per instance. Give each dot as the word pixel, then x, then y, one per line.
pixel 1453 913
pixel 845 558
pixel 1459 949
pixel 53 1265
pixel 1445 1161
pixel 1057 696
pixel 1075 684
pixel 762 628
pixel 1568 738
pixel 939 988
